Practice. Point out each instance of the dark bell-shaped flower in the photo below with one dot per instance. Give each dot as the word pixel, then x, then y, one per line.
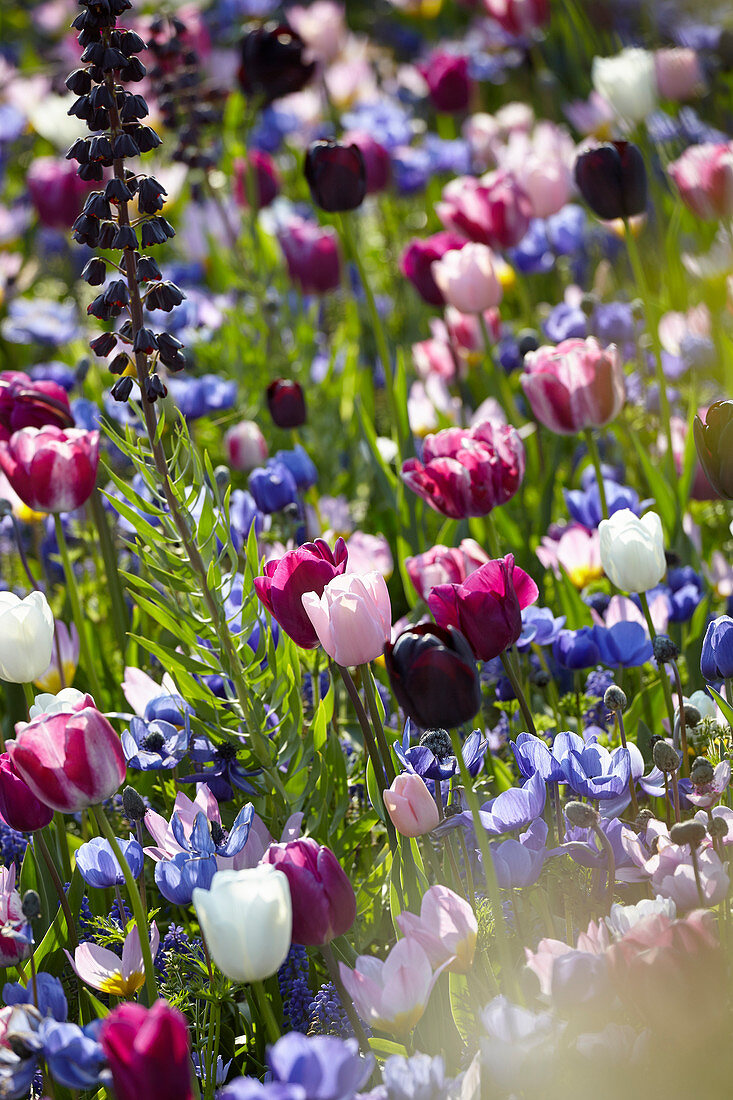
pixel 612 180
pixel 433 675
pixel 286 402
pixel 273 62
pixel 336 175
pixel 714 443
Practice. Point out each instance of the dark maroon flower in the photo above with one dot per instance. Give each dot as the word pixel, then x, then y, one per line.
pixel 433 675
pixel 714 443
pixel 336 175
pixel 286 402
pixel 324 903
pixel 612 180
pixel 273 62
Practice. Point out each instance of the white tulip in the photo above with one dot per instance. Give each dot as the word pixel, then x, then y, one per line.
pixel 63 702
pixel 26 637
pixel 628 82
pixel 246 919
pixel 632 550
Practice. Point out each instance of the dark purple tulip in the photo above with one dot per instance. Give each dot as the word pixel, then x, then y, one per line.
pixel 19 807
pixel 433 675
pixel 324 903
pixel 336 175
pixel 286 402
pixel 273 62
pixel 612 180
pixel 714 443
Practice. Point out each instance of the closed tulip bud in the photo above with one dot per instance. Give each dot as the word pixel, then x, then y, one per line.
pixel 467 278
pixel 25 403
pixel 574 386
pixel 323 899
pixel 51 470
pixel 417 264
pixel 449 84
pixel 26 637
pixel 433 675
pixel 286 402
pixel 376 159
pixel 632 550
pixel 519 17
pixel 703 176
pixel 312 255
pixel 714 444
pixel 678 73
pixel 612 180
pixel 495 210
pixel 56 191
pixel 70 760
pixel 352 618
pixel 274 62
pixel 265 185
pixel 307 569
pixel 628 82
pixel 336 175
pixel 411 806
pixel 246 919
pixel 246 446
pixel 19 807
pixel 148 1051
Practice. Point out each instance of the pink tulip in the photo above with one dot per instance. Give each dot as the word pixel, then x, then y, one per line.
pixel 678 72
pixel 434 357
pixel 312 256
pixel 246 446
pixel 307 569
pixel 12 949
pixel 467 278
pixel 353 617
pixel 19 807
pixel 411 806
pixel 448 80
pixel 548 183
pixel 417 262
pixel 465 331
pixel 25 403
pixel 494 211
pixel 103 970
pixel 577 550
pixel 51 470
pixel 704 178
pixel 69 760
pixel 519 17
pixel 322 27
pixel 264 188
pixel 368 553
pixel 574 386
pixel 323 899
pixel 444 565
pixel 446 929
pixel 391 995
pixel 467 472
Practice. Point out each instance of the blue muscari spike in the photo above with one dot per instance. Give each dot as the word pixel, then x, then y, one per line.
pixel 327 1015
pixel 294 989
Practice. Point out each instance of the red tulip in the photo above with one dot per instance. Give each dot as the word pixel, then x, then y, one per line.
pixel 28 404
pixel 417 263
pixel 494 210
pixel 574 386
pixel 286 402
pixel 19 807
pixel 70 760
pixel 51 470
pixel 324 903
pixel 149 1052
pixel 487 607
pixel 307 569
pixel 467 472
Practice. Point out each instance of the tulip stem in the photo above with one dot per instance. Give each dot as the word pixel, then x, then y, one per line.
pixel 76 612
pixel 137 906
pixel 40 842
pixel 30 697
pixel 503 386
pixel 662 670
pixel 521 699
pixel 368 682
pixel 263 1002
pixel 683 720
pixel 595 458
pixel 353 1016
pixel 371 749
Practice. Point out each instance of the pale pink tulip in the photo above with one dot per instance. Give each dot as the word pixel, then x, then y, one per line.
pixel 446 928
pixel 103 970
pixel 391 995
pixel 410 805
pixel 467 278
pixel 352 618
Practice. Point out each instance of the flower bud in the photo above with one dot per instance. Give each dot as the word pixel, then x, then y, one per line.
pixel 336 176
pixel 133 804
pixel 643 818
pixel 286 403
pixel 718 828
pixel 664 649
pixel 687 832
pixel 615 699
pixel 693 717
pixel 581 815
pixel 714 443
pixel 274 62
pixel 665 757
pixel 612 180
pixel 31 905
pixel 702 772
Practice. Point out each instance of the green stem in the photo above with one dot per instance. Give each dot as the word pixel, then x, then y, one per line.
pixel 76 611
pixel 595 458
pixel 40 842
pixel 521 699
pixel 30 697
pixel 368 681
pixel 268 1016
pixel 137 907
pixel 370 746
pixel 664 679
pixel 209 1070
pixel 117 599
pixel 503 386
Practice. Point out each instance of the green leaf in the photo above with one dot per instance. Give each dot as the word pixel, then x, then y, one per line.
pixel 724 705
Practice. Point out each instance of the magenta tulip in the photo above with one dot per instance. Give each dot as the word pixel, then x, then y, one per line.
pixel 574 386
pixel 410 805
pixel 449 84
pixel 69 760
pixel 19 807
pixel 28 404
pixel 444 565
pixel 265 184
pixel 487 607
pixel 376 159
pixel 149 1052
pixel 519 17
pixel 467 472
pixel 312 256
pixel 495 210
pixel 51 470
pixel 704 179
pixel 307 569
pixel 324 903
pixel 417 263
pixel 56 191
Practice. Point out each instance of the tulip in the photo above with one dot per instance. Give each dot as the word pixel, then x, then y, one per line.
pixel 377 161
pixel 519 17
pixel 312 256
pixel 487 607
pixel 714 444
pixel 273 63
pixel 65 650
pixel 51 470
pixel 352 617
pixel 446 929
pixel 246 919
pixel 148 1051
pixel 26 636
pixel 103 970
pixel 444 565
pixel 323 899
pixel 467 278
pixel 63 702
pixel 612 180
pixel 574 386
pixel 410 805
pixel 391 995
pixel 19 807
pixel 265 187
pixel 336 176
pixel 468 472
pixel 716 659
pixel 25 403
pixel 56 191
pixel 13 947
pixel 495 211
pixel 632 550
pixel 307 569
pixel 433 675
pixel 417 263
pixel 448 81
pixel 322 27
pixel 69 760
pixel 627 81
pixel 246 446
pixel 704 178
pixel 286 402
pixel 678 73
